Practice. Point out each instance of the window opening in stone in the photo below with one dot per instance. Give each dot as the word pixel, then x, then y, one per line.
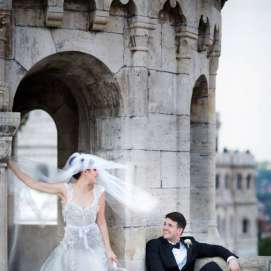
pixel 36 140
pixel 245 226
pixel 239 182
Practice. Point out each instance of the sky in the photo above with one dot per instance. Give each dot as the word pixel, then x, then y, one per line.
pixel 244 77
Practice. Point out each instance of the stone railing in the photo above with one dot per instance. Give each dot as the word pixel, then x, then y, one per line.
pixel 256 263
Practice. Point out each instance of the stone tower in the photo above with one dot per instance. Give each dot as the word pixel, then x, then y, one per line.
pixel 131 80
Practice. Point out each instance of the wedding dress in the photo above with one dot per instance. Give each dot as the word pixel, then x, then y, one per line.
pixel 82 248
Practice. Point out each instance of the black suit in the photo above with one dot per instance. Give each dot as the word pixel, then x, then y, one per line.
pixel 159 256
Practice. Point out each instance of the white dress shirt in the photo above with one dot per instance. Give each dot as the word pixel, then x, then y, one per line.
pixel 180 255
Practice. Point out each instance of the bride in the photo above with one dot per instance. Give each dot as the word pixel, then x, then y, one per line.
pixel 86 245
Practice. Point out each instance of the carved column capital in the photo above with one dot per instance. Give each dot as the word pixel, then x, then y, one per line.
pixel 140 33
pixel 99 20
pixel 5 33
pixel 4 96
pixel 54 13
pixel 9 122
pixel 185 41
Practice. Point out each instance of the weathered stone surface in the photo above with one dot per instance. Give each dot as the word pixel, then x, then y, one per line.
pixel 32 44
pixel 134 91
pixel 162 92
pixel 145 133
pixel 119 82
pixel 175 169
pixel 93 44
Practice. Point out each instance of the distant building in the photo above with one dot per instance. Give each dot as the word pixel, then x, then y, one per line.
pixel 236 201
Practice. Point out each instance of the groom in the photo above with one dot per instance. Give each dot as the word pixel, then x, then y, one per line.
pixel 172 252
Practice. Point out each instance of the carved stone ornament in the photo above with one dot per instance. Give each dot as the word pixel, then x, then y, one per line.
pixel 9 122
pixel 99 20
pixel 140 34
pixel 54 13
pixel 4 33
pixel 4 96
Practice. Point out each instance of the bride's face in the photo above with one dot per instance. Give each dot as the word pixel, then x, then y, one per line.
pixel 91 175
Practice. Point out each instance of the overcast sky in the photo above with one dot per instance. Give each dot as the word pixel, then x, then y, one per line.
pixel 244 77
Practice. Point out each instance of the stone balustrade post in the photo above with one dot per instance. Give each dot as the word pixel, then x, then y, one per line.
pixel 8 124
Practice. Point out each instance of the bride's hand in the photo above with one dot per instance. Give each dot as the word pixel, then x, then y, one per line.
pixel 111 256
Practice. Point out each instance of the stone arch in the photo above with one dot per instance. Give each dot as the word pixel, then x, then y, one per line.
pixel 172 11
pixel 130 4
pixel 215 46
pixel 68 87
pixel 199 157
pixel 173 22
pixel 126 8
pixel 26 3
pixel 204 32
pixel 78 91
pixel 246 226
pixel 80 5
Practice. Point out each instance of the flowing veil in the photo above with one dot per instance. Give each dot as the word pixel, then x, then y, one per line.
pixel 120 191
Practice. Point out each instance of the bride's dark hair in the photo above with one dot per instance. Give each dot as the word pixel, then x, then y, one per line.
pixel 77 175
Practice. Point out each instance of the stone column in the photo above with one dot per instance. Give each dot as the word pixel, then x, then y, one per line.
pixel 140 28
pixel 5 48
pixel 130 237
pixel 185 41
pixel 214 54
pixel 8 124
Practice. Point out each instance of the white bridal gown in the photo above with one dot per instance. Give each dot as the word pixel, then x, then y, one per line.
pixel 82 248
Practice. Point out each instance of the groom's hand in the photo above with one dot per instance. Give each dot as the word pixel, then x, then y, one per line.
pixel 233 265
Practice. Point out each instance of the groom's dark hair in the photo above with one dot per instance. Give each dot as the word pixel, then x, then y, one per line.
pixel 177 217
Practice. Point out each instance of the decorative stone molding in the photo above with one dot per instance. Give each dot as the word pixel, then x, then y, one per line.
pixel 184 48
pixel 4 96
pixel 9 122
pixel 139 34
pixel 5 27
pixel 204 39
pixel 54 13
pixel 214 55
pixel 99 20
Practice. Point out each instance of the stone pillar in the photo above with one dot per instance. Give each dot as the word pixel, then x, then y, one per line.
pixel 5 48
pixel 129 235
pixel 8 124
pixel 139 40
pixel 185 41
pixel 214 54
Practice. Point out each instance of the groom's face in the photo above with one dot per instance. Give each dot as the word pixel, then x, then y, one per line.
pixel 171 231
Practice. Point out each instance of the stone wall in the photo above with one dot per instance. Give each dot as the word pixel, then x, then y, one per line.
pixel 129 80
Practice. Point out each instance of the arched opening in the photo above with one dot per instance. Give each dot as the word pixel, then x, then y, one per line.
pixel 245 226
pixel 37 139
pixel 173 14
pixel 239 185
pixel 199 158
pixel 124 8
pixel 171 18
pixel 203 34
pixel 79 92
pixel 249 181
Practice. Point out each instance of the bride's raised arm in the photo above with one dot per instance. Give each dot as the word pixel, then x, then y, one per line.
pixel 51 188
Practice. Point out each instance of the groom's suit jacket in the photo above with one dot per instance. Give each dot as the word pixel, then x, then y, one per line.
pixel 159 256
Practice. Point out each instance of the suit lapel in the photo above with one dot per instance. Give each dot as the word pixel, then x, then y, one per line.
pixel 168 254
pixel 189 254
